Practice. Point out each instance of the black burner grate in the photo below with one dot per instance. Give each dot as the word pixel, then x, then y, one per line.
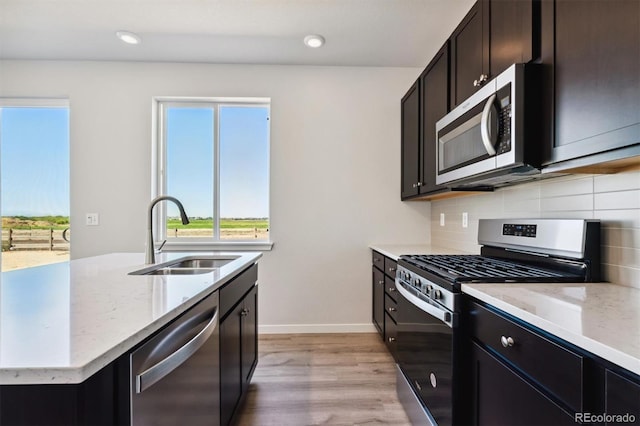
pixel 482 268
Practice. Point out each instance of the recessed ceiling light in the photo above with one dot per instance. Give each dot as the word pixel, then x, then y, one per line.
pixel 129 37
pixel 314 40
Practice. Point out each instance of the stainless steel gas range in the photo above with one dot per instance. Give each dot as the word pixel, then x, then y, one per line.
pixel 428 339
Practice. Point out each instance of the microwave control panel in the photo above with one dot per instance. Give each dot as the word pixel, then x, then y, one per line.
pixel 504 119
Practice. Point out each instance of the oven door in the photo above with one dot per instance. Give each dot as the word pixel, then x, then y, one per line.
pixel 425 343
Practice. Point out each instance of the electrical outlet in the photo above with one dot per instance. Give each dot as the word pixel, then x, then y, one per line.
pixel 93 219
pixel 441 219
pixel 465 220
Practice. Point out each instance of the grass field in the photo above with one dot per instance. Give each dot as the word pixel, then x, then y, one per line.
pixel 35 222
pixel 225 223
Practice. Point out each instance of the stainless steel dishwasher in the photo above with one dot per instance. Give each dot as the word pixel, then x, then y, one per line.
pixel 175 376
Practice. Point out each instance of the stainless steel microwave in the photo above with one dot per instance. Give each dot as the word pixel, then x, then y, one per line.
pixel 493 138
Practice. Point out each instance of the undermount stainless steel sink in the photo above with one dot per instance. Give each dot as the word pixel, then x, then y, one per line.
pixel 202 263
pixel 187 266
pixel 179 271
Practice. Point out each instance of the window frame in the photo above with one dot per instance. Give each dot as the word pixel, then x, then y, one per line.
pixel 159 165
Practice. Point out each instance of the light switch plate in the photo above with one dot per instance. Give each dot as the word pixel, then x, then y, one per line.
pixel 441 219
pixel 465 220
pixel 93 219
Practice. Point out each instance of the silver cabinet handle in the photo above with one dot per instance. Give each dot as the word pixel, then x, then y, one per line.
pixel 392 289
pixel 419 184
pixel 392 309
pixel 392 269
pixel 485 126
pixel 381 282
pixel 506 341
pixel 415 185
pixel 244 312
pixel 155 373
pixel 482 80
pixel 391 339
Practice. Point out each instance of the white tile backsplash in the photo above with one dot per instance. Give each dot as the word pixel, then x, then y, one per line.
pixel 614 199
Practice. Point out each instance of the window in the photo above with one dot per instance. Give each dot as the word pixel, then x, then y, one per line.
pixel 213 155
pixel 34 182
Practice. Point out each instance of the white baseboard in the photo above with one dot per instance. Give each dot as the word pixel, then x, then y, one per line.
pixel 316 328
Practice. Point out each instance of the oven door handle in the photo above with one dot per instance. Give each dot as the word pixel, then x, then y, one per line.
pixel 439 313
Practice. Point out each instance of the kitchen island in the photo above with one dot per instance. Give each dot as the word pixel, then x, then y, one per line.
pixel 64 328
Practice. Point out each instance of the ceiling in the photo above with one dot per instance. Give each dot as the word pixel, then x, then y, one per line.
pixel 402 33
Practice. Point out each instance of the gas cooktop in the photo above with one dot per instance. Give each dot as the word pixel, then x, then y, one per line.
pixel 516 250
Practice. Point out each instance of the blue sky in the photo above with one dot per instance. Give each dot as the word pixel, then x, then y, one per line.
pixel 244 154
pixel 34 161
pixel 34 147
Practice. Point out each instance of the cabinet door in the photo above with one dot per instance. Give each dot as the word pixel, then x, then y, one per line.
pixel 511 34
pixel 595 56
pixel 469 52
pixel 501 397
pixel 622 397
pixel 378 300
pixel 410 108
pixel 230 363
pixel 250 334
pixel 390 335
pixel 435 104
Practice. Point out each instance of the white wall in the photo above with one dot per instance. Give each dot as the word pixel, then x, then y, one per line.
pixel 614 199
pixel 335 170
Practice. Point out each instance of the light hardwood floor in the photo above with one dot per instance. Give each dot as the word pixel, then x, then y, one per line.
pixel 323 379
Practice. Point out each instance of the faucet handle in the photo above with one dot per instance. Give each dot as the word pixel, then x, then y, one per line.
pixel 161 245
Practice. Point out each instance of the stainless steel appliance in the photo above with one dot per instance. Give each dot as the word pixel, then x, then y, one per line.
pixel 175 376
pixel 429 287
pixel 493 138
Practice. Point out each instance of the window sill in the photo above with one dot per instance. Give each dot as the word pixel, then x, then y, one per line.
pixel 218 245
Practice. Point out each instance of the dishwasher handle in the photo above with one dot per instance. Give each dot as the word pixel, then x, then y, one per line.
pixel 153 374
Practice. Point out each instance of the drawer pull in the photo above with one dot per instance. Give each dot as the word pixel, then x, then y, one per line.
pixel 392 289
pixel 381 282
pixel 391 339
pixel 392 269
pixel 506 341
pixel 392 309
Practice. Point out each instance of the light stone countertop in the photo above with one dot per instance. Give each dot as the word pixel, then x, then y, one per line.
pixel 601 318
pixel 63 322
pixel 394 251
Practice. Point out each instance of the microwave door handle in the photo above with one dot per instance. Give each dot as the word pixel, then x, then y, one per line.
pixel 485 126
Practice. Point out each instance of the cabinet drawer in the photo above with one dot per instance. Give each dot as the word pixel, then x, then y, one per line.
pixel 235 289
pixel 390 287
pixel 390 266
pixel 391 307
pixel 378 260
pixel 552 366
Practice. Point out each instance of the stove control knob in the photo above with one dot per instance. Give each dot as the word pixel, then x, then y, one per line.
pixel 437 294
pixel 416 282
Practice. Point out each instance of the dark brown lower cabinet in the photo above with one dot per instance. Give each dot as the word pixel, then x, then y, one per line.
pixel 517 374
pixel 622 399
pixel 378 299
pixel 92 402
pixel 238 354
pixel 502 397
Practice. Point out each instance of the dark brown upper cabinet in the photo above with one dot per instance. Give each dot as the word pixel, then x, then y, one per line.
pixel 591 50
pixel 470 53
pixel 491 37
pixel 434 85
pixel 410 141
